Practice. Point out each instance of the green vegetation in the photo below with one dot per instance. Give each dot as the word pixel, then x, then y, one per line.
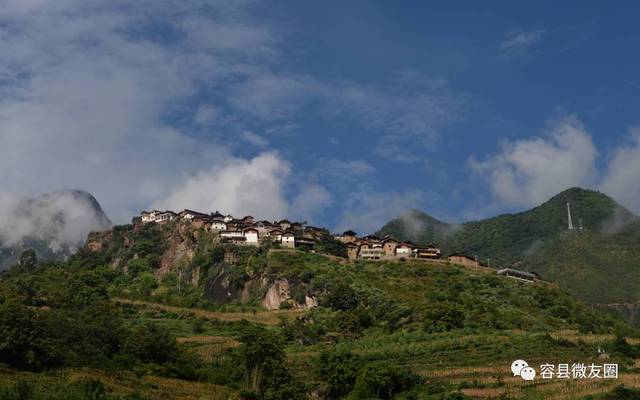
pixel 596 264
pixel 382 330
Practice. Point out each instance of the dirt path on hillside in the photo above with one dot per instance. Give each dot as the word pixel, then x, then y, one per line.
pixel 262 317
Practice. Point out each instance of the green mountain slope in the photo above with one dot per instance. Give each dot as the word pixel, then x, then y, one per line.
pixel 599 263
pixel 169 309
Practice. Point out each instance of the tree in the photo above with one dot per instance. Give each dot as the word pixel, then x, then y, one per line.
pixel 339 369
pixel 384 381
pixel 147 282
pixel 327 244
pixel 137 266
pixel 86 287
pixel 21 335
pixel 152 343
pixel 263 365
pixel 28 260
pixel 622 347
pixel 342 297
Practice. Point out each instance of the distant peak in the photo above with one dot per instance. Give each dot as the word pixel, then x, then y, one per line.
pixel 578 194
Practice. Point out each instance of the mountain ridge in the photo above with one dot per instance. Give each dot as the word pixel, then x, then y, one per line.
pixel 580 261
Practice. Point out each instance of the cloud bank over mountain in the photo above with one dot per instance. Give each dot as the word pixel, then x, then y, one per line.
pixel 61 219
pixel 527 172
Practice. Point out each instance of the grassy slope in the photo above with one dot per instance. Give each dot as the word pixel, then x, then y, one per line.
pixel 503 320
pixel 598 264
pixel 474 358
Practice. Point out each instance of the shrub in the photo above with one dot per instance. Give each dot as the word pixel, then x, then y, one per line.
pixel 342 297
pixel 384 381
pixel 152 344
pixel 262 364
pixel 339 369
pixel 443 317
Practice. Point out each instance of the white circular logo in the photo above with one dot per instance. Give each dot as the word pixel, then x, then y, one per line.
pixel 528 373
pixel 517 366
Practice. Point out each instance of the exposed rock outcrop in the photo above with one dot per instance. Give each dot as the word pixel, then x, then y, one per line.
pixel 277 294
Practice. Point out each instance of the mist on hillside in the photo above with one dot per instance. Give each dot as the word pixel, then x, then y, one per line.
pixel 413 225
pixel 62 218
pixel 620 218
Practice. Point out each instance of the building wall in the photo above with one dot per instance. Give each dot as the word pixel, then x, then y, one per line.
pixel 427 254
pixel 352 253
pixel 459 260
pixel 220 226
pixel 389 248
pixel 231 234
pixel 371 254
pixel 288 241
pixel 252 237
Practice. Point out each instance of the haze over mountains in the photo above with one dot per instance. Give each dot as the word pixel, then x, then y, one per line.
pixel 54 224
pixel 599 263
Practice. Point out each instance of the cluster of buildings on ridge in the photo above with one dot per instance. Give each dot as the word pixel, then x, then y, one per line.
pixel 243 231
pixel 247 231
pixel 372 247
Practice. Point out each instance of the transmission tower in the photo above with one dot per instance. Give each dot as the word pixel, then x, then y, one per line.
pixel 569 216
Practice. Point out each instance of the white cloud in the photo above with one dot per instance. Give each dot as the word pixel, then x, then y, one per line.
pixel 86 94
pixel 369 210
pixel 622 180
pixel 238 187
pixel 518 41
pixel 255 186
pixel 130 101
pixel 528 172
pixel 254 139
pixel 410 113
pixel 310 202
pixel 62 218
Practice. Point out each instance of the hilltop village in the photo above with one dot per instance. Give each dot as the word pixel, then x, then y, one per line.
pixel 247 231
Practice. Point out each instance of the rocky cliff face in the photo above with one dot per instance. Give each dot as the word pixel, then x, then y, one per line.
pixel 224 273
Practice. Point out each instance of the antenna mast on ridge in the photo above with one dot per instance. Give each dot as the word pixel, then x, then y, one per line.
pixel 569 216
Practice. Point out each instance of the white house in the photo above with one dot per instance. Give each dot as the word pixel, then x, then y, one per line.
pixel 218 225
pixel 149 216
pixel 165 216
pixel 404 249
pixel 288 240
pixel 228 218
pixel 251 234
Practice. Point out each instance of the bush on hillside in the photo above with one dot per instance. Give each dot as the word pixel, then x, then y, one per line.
pixel 443 317
pixel 339 369
pixel 384 381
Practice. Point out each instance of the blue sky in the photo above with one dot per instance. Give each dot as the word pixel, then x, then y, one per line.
pixel 342 113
